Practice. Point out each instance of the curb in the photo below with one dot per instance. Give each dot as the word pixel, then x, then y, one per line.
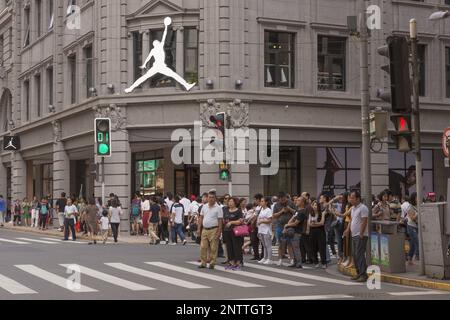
pixel 388 278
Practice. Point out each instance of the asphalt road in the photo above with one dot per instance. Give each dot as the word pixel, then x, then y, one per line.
pixel 35 267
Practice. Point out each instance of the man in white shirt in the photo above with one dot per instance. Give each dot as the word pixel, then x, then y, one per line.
pixel 186 204
pixel 169 200
pixel 211 221
pixel 70 212
pixel 360 234
pixel 405 207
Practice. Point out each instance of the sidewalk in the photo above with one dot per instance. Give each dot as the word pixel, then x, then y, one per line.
pixel 124 238
pixel 410 278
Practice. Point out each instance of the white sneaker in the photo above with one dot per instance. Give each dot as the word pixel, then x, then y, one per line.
pixel 279 263
pixel 267 262
pixel 317 266
pixel 262 261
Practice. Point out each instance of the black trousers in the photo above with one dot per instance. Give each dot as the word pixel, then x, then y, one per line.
pixel 43 220
pixel 255 245
pixel 69 223
pixel 115 230
pixel 234 246
pixel 319 244
pixel 163 230
pixel 305 248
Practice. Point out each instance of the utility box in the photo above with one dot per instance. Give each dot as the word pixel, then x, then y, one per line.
pixel 378 124
pixel 388 247
pixel 436 236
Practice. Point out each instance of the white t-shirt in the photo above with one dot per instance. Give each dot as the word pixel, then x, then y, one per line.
pixel 193 208
pixel 177 209
pixel 186 204
pixel 265 228
pixel 69 211
pixel 405 207
pixel 145 205
pixel 358 213
pixel 104 221
pixel 169 203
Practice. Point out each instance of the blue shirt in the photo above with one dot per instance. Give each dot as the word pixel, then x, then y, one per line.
pixel 2 205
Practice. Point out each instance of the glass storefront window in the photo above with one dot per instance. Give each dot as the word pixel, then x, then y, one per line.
pixel 150 176
pixel 287 179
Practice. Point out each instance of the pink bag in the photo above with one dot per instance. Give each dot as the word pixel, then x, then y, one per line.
pixel 241 231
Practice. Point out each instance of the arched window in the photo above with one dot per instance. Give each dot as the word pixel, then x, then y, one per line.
pixel 5 110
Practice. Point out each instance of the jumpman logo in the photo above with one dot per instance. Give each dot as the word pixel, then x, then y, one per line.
pixel 159 66
pixel 11 145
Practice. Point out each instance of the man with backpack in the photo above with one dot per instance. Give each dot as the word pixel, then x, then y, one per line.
pixel 176 221
pixel 43 209
pixel 135 214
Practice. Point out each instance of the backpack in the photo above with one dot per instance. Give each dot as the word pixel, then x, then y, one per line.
pixel 135 210
pixel 44 209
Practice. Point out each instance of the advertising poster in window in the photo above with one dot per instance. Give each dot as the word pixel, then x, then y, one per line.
pixel 375 246
pixel 384 250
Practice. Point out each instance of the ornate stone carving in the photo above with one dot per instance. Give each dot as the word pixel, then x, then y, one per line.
pixel 237 112
pixel 57 133
pixel 115 113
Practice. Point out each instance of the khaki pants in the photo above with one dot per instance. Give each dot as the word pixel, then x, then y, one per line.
pixel 209 243
pixel 152 229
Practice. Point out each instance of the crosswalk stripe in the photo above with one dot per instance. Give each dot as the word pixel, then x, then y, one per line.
pixel 53 278
pixel 37 241
pixel 157 276
pixel 14 287
pixel 316 297
pixel 417 293
pixel 205 275
pixel 263 277
pixel 303 275
pixel 111 279
pixel 59 240
pixel 13 241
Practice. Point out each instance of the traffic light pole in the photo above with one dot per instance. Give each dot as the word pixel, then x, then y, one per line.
pixel 366 181
pixel 103 180
pixel 416 112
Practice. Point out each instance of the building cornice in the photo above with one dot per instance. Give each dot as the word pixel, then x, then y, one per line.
pixel 281 22
pixel 414 4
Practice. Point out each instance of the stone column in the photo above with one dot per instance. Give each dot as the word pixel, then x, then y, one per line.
pixel 118 166
pixel 3 181
pixel 19 176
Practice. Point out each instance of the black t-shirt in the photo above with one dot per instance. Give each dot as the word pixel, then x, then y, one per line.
pixel 61 203
pixel 285 217
pixel 154 208
pixel 302 217
pixel 231 216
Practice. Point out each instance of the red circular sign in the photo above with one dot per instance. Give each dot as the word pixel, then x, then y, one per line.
pixel 445 136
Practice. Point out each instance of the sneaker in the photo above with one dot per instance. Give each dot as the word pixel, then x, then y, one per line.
pixel 267 262
pixel 279 263
pixel 211 266
pixel 184 242
pixel 262 261
pixel 317 266
pixel 202 266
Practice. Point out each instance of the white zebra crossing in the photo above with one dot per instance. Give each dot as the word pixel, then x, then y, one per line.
pixel 13 286
pixel 157 276
pixel 198 274
pixel 263 277
pixel 62 241
pixel 12 241
pixel 36 240
pixel 53 278
pixel 302 275
pixel 110 279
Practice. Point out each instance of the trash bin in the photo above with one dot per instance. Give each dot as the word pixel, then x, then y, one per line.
pixel 436 236
pixel 388 247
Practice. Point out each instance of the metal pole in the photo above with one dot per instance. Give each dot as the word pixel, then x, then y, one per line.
pixel 103 180
pixel 416 112
pixel 366 181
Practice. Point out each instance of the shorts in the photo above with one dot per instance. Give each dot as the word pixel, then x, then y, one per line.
pixel 27 216
pixel 279 232
pixel 135 219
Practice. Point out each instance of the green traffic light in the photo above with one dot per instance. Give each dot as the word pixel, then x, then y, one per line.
pixel 103 148
pixel 224 175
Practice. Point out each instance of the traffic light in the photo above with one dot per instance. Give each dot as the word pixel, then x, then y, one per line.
pixel 95 171
pixel 219 121
pixel 397 51
pixel 224 174
pixel 403 134
pixel 103 136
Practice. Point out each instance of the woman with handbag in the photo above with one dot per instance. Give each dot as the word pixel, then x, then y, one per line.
pixel 264 223
pixel 233 217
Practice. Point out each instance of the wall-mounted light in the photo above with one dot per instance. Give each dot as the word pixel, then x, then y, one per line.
pixel 210 84
pixel 92 92
pixel 51 108
pixel 11 124
pixel 239 83
pixel 110 87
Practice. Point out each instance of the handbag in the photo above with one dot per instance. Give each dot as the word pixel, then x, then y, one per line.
pixel 241 231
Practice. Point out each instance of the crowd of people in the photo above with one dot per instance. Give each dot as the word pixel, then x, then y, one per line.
pixel 305 229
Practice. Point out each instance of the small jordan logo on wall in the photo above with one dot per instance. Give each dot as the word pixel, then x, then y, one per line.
pixel 11 143
pixel 159 65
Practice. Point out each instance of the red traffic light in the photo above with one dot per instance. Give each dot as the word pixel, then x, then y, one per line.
pixel 403 124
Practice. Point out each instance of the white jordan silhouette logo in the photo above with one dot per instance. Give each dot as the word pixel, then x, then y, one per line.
pixel 11 145
pixel 159 66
